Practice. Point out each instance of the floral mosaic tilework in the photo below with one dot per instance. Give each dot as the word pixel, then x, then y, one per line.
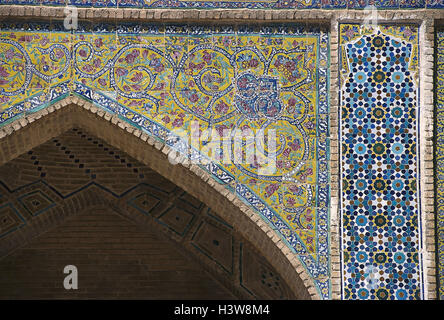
pixel 251 4
pixel 32 74
pixel 380 207
pixel 166 79
pixel 439 157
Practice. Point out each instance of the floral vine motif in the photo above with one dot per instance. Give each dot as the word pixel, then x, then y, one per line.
pixel 164 78
pixel 258 96
pixel 128 73
pixel 18 74
pixel 217 84
pixel 132 72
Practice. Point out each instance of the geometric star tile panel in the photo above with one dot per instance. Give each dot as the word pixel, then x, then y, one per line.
pixel 439 155
pixel 168 79
pixel 381 219
pixel 250 4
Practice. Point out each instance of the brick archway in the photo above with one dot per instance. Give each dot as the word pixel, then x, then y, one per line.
pixel 31 131
pixel 114 258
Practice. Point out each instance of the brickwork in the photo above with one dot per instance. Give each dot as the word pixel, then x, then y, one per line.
pixel 196 182
pixel 75 170
pixel 221 15
pixel 427 155
pixel 114 259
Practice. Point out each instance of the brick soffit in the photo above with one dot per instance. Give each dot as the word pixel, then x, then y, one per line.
pixel 197 182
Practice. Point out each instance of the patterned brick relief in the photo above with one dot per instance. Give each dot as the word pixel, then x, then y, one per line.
pixel 140 195
pixel 116 259
pixel 256 275
pixel 10 219
pixel 163 79
pixel 439 159
pixel 215 240
pixel 380 209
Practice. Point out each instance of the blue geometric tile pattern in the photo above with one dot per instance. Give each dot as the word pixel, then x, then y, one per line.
pixel 435 4
pixel 379 133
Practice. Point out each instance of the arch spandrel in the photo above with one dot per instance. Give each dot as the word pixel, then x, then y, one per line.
pixel 40 199
pixel 393 14
pixel 226 79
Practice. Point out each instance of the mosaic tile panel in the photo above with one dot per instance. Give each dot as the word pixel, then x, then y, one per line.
pixel 435 4
pixel 233 4
pixel 164 78
pixel 380 206
pixel 439 158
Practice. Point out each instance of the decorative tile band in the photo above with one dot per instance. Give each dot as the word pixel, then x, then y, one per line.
pixel 439 158
pixel 239 4
pixel 380 209
pixel 165 78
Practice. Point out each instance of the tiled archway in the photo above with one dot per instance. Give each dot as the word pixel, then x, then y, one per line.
pixel 34 202
pixel 225 79
pixel 425 20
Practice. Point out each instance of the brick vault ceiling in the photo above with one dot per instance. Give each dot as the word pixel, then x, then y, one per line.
pixel 75 170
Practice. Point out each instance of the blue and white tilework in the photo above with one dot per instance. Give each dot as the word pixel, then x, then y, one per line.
pixel 380 209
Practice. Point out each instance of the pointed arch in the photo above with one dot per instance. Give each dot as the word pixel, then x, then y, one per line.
pixel 32 130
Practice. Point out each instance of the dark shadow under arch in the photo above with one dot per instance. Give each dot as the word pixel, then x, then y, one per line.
pixel 72 112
